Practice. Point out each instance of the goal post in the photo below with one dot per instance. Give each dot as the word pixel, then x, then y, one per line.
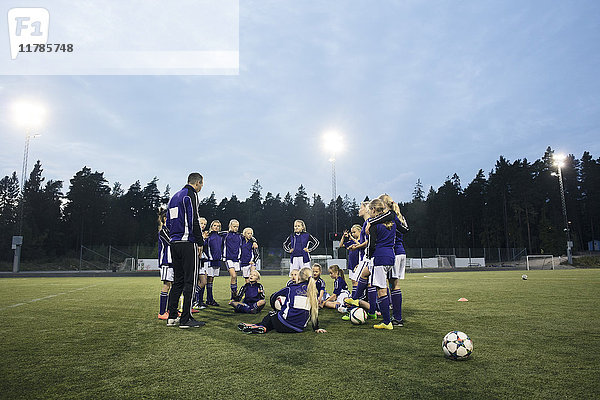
pixel 540 261
pixel 446 260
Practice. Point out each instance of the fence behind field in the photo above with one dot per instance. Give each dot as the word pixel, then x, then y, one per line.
pixel 273 260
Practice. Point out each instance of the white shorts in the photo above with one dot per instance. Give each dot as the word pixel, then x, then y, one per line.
pixel 246 270
pixel 298 263
pixel 399 266
pixel 340 299
pixel 379 275
pixel 202 267
pixel 166 273
pixel 354 275
pixel 233 264
pixel 212 271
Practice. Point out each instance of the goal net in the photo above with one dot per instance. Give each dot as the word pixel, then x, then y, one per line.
pixel 446 260
pixel 540 261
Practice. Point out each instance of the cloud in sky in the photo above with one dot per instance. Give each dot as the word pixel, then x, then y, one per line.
pixel 420 90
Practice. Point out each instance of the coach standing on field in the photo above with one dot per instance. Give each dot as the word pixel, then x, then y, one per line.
pixel 186 247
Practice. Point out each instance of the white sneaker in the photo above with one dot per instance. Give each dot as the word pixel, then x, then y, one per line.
pixel 173 322
pixel 342 309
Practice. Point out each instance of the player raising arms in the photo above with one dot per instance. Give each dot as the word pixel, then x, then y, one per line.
pixel 164 259
pixel 249 254
pixel 299 244
pixel 299 307
pixel 232 244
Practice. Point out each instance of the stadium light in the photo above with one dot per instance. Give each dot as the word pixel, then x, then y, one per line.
pixel 559 161
pixel 333 143
pixel 30 116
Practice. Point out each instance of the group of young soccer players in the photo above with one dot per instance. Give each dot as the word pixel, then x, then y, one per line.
pixel 376 263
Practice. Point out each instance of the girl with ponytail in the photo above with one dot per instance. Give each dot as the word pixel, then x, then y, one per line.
pixel 299 307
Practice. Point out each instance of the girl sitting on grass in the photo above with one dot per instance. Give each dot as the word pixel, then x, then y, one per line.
pixel 340 290
pixel 299 307
pixel 251 298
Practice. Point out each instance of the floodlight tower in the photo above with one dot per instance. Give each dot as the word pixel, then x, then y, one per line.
pixel 333 143
pixel 559 161
pixel 28 116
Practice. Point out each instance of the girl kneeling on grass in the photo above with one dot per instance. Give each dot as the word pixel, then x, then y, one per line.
pixel 299 306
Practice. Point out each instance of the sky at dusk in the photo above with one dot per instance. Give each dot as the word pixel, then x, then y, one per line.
pixel 417 89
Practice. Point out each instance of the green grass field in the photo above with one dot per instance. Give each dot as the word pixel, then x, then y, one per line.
pixel 73 338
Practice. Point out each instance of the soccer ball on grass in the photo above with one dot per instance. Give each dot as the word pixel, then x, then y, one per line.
pixel 358 316
pixel 457 345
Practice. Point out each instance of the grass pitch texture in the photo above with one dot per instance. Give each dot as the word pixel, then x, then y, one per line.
pixel 75 338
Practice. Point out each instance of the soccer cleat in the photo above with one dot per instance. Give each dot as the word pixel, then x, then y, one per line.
pixel 195 310
pixel 173 321
pixel 252 328
pixel 397 323
pixel 371 316
pixel 191 323
pixel 163 316
pixel 383 326
pixel 346 317
pixel 201 306
pixel 212 303
pixel 351 301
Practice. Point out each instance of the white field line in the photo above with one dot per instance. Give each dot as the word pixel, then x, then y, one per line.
pixel 47 297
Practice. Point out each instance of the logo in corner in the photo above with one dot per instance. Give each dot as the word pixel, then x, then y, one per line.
pixel 27 26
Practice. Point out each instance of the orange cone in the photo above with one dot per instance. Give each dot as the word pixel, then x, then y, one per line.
pixel 462 299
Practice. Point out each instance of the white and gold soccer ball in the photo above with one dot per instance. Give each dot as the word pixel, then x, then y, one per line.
pixel 457 345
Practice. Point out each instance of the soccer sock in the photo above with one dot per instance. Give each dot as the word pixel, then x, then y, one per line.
pixel 209 293
pixel 360 288
pixel 164 297
pixel 384 307
pixel 372 296
pixel 354 287
pixel 397 304
pixel 196 294
pixel 201 295
pixel 233 287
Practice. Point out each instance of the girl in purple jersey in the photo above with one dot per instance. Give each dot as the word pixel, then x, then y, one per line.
pixel 340 289
pixel 164 259
pixel 251 298
pixel 349 241
pixel 249 253
pixel 214 253
pixel 321 292
pixel 398 271
pixel 232 247
pixel 201 285
pixel 381 251
pixel 373 217
pixel 299 244
pixel 300 307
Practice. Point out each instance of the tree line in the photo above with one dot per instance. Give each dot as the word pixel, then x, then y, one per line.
pixel 517 204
